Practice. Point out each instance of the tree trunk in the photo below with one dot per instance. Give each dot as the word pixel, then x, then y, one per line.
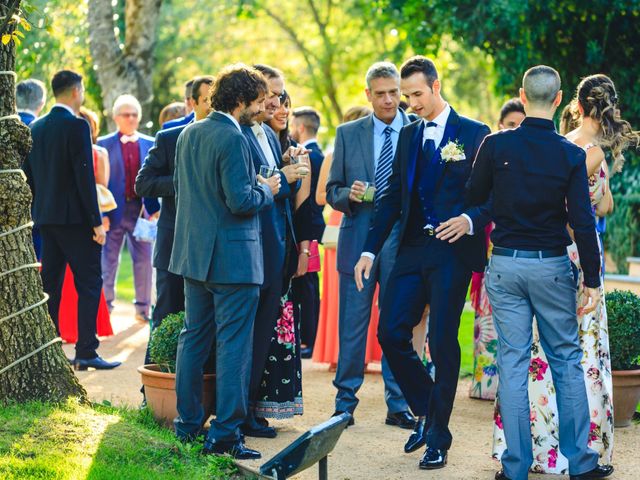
pixel 124 68
pixel 47 375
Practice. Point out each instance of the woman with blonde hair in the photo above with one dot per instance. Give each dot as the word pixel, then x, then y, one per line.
pixel 595 125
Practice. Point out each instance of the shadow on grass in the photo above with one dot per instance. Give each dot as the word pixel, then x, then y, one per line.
pixel 71 441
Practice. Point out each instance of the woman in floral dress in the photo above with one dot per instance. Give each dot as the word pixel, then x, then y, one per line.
pixel 599 126
pixel 484 383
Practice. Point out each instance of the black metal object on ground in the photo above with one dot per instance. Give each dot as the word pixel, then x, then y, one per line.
pixel 310 448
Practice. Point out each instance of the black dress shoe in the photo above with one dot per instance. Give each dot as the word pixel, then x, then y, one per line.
pixel 306 352
pixel 501 476
pixel 418 437
pixel 262 421
pixel 254 429
pixel 236 449
pixel 98 363
pixel 401 419
pixel 601 471
pixel 351 423
pixel 433 458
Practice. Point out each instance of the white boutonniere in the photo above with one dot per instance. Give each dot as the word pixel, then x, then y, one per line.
pixel 452 152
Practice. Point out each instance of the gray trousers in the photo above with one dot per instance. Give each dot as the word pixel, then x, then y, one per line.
pixel 224 314
pixel 140 256
pixel 353 324
pixel 518 289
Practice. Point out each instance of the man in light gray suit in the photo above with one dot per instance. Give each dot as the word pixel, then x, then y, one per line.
pixel 364 152
pixel 217 250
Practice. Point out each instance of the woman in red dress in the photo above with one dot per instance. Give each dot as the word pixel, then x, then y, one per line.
pixel 68 313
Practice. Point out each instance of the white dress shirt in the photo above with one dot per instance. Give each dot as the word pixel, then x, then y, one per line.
pixel 436 134
pixel 261 136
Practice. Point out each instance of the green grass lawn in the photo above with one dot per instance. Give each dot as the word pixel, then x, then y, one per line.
pixel 124 282
pixel 71 441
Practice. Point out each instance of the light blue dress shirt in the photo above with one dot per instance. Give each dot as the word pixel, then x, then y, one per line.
pixel 378 135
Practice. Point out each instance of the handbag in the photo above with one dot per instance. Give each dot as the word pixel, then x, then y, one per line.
pixel 145 230
pixel 330 236
pixel 106 201
pixel 314 257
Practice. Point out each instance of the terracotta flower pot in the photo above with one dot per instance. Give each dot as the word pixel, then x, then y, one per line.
pixel 160 391
pixel 626 395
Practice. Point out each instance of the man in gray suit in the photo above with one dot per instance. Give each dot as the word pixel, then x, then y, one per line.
pixel 364 152
pixel 217 250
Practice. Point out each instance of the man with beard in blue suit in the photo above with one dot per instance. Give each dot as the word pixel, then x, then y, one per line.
pixel 438 250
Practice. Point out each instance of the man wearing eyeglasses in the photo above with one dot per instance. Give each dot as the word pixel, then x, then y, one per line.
pixel 277 234
pixel 127 148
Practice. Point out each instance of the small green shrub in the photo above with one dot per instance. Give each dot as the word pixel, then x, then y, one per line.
pixel 623 313
pixel 163 345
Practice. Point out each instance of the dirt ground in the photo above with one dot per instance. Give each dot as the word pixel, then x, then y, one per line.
pixel 368 450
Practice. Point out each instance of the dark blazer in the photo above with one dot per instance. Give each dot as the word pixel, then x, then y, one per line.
pixel 353 160
pixel 217 229
pixel 27 117
pixel 155 180
pixel 179 122
pixel 449 196
pixel 309 218
pixel 117 176
pixel 59 171
pixel 539 183
pixel 276 220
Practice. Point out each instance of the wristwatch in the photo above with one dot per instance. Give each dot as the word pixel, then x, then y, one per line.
pixel 306 252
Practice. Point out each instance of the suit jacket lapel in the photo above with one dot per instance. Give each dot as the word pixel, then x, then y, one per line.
pixel 414 147
pixel 366 143
pixel 275 149
pixel 450 133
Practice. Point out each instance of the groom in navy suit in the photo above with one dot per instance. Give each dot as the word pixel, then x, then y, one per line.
pixel 438 251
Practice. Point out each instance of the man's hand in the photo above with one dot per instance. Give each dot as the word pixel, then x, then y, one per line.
pixel 453 229
pixel 272 182
pixel 295 171
pixel 293 152
pixel 155 216
pixel 590 302
pixel 99 235
pixel 357 191
pixel 363 266
pixel 106 223
pixel 303 265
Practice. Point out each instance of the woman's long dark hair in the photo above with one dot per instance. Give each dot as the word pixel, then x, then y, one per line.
pixel 599 100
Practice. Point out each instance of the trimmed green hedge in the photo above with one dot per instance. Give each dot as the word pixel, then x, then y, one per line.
pixel 623 315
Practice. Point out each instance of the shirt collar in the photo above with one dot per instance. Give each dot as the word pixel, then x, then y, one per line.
pixel 232 118
pixel 379 126
pixel 309 142
pixel 539 123
pixel 66 107
pixel 257 129
pixel 442 118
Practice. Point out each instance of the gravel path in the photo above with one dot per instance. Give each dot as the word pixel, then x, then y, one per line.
pixel 368 450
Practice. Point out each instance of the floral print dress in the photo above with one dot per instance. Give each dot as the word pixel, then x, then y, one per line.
pixel 280 394
pixel 594 340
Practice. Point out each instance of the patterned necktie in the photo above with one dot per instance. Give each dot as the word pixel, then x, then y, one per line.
pixel 385 161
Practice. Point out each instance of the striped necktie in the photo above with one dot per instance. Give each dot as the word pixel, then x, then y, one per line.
pixel 385 161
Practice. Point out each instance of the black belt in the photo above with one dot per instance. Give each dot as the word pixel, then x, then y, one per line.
pixel 509 252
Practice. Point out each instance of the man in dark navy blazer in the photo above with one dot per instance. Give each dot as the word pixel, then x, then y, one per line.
pixel 155 180
pixel 189 104
pixel 538 180
pixel 438 251
pixel 59 171
pixel 276 224
pixel 127 149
